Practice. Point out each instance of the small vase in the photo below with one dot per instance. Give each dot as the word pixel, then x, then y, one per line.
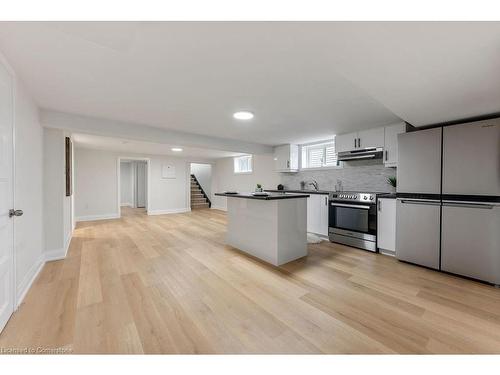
pixel 258 190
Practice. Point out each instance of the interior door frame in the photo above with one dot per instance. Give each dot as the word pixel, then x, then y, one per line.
pixel 188 179
pixel 12 74
pixel 148 181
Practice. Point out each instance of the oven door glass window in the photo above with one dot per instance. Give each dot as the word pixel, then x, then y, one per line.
pixel 355 219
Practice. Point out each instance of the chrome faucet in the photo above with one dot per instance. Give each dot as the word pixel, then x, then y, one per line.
pixel 314 183
pixel 338 186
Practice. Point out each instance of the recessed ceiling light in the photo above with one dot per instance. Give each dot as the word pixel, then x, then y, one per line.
pixel 176 149
pixel 243 115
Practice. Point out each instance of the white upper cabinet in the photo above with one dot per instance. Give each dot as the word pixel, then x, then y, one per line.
pixel 286 158
pixel 359 140
pixel 385 137
pixel 391 143
pixel 346 142
pixel 371 138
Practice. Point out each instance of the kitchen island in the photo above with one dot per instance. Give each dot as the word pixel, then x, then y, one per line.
pixel 272 228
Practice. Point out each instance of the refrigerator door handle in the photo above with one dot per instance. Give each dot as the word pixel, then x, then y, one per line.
pixel 420 201
pixel 486 206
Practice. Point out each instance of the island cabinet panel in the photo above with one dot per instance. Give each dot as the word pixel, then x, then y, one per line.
pixel 272 230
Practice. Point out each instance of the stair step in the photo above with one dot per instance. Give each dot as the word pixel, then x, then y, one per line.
pixel 198 201
pixel 198 206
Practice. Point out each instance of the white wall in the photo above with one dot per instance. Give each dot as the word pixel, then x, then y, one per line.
pixel 126 184
pixel 57 210
pixel 224 178
pixel 96 188
pixel 203 173
pixel 28 229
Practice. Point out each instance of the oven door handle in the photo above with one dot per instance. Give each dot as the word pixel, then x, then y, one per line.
pixel 350 205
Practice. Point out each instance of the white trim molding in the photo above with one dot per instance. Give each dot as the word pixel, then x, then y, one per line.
pixel 169 211
pixel 220 208
pixel 28 280
pixel 97 217
pixel 46 256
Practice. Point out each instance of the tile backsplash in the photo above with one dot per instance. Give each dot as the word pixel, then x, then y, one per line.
pixel 358 175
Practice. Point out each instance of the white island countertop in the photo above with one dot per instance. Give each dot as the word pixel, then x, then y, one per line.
pixel 272 228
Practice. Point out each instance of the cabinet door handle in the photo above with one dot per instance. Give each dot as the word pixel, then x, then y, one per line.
pixel 379 205
pixel 288 163
pixel 354 142
pixel 386 153
pixel 326 201
pixel 359 142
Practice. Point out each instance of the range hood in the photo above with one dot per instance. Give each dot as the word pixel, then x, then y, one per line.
pixel 366 153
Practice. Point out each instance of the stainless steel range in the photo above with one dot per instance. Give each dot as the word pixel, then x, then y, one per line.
pixel 353 219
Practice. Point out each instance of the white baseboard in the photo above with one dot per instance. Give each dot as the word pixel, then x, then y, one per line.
pixel 169 211
pixel 127 205
pixel 98 217
pixel 220 208
pixel 46 256
pixel 28 279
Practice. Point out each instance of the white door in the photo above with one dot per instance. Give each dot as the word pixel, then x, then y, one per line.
pixel 371 138
pixel 386 224
pixel 346 142
pixel 391 143
pixel 317 214
pixel 312 214
pixel 323 212
pixel 6 198
pixel 281 157
pixel 141 184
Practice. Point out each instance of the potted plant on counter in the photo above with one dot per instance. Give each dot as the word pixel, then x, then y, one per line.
pixel 258 188
pixel 392 181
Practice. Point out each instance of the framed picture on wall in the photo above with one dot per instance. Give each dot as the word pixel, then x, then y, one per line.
pixel 68 167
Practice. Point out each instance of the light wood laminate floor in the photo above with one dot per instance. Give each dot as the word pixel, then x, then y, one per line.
pixel 168 284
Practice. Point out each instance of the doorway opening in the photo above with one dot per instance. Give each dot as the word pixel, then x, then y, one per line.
pixel 201 185
pixel 133 186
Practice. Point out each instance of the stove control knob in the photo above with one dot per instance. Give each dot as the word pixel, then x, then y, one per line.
pixel 371 197
pixel 365 197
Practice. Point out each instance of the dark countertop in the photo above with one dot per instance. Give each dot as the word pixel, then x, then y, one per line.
pixel 387 195
pixel 301 191
pixel 271 196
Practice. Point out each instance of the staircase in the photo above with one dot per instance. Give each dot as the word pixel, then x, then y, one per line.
pixel 198 197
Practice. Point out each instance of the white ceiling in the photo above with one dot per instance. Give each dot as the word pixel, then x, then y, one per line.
pixel 303 80
pixel 129 147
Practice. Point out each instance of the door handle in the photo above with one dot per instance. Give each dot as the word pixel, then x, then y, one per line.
pixel 416 201
pixel 326 201
pixel 13 212
pixel 469 205
pixel 354 142
pixel 288 163
pixel 379 205
pixel 386 154
pixel 359 142
pixel 350 206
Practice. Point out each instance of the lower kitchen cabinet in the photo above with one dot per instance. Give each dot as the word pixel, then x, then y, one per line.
pixel 386 226
pixel 317 214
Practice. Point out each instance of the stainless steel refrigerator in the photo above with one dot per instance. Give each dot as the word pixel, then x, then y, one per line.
pixel 448 199
pixel 470 234
pixel 418 205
